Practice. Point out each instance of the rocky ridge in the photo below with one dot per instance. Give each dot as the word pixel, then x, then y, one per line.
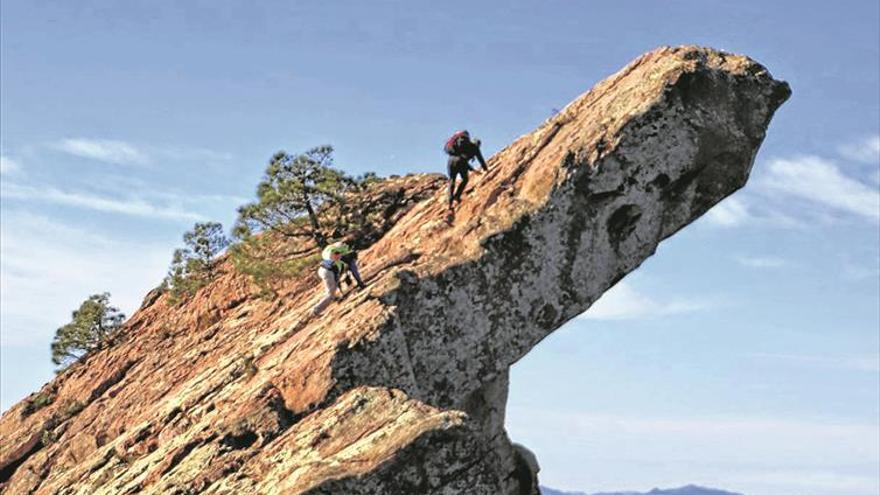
pixel 401 388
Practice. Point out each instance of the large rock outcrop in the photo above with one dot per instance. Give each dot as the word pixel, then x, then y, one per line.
pixel 401 388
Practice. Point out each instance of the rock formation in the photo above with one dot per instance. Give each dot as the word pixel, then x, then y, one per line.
pixel 401 388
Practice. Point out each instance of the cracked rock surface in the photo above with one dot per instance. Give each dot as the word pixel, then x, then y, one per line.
pixel 401 388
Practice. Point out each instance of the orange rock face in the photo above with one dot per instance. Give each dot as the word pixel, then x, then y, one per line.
pixel 401 388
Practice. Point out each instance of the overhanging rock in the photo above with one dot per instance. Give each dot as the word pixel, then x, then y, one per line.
pixel 402 388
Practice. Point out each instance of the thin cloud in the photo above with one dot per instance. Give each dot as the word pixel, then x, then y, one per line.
pixel 125 206
pixel 730 438
pixel 48 267
pixel 854 363
pixel 809 480
pixel 202 155
pixel 866 269
pixel 104 150
pixel 819 181
pixel 737 212
pixel 224 199
pixel 761 261
pixel 124 153
pixel 160 192
pixel 731 212
pixel 740 453
pixel 8 165
pixel 866 151
pixel 622 302
pixel 811 180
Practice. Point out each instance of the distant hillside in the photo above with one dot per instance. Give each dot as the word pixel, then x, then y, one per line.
pixel 685 490
pixel 550 491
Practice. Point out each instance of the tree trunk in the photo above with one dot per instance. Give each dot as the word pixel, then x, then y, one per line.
pixel 316 227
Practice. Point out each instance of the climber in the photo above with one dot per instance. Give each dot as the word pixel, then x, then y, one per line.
pixel 461 150
pixel 328 272
pixel 335 259
pixel 347 261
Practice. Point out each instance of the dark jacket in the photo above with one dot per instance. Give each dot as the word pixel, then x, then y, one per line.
pixel 467 149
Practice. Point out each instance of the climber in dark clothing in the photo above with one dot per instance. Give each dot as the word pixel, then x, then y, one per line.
pixel 461 150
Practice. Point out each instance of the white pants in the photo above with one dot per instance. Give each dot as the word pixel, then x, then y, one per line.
pixel 330 288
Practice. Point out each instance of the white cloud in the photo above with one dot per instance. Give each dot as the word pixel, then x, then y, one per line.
pixel 622 302
pixel 866 150
pixel 731 212
pixel 810 179
pixel 761 261
pixel 126 206
pixel 738 212
pixel 104 150
pixel 856 363
pixel 820 181
pixel 8 165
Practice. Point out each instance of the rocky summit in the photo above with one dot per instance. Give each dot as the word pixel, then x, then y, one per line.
pixel 401 388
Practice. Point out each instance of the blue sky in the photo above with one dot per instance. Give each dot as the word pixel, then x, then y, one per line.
pixel 744 355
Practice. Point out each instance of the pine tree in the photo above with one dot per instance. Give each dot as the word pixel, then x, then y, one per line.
pixel 91 328
pixel 204 242
pixel 293 190
pixel 195 265
pixel 303 203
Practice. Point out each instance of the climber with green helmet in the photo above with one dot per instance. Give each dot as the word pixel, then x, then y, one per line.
pixel 335 259
pixel 347 260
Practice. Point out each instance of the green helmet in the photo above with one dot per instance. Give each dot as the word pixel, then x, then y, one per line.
pixel 336 247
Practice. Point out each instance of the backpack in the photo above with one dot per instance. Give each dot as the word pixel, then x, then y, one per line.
pixel 330 265
pixel 453 145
